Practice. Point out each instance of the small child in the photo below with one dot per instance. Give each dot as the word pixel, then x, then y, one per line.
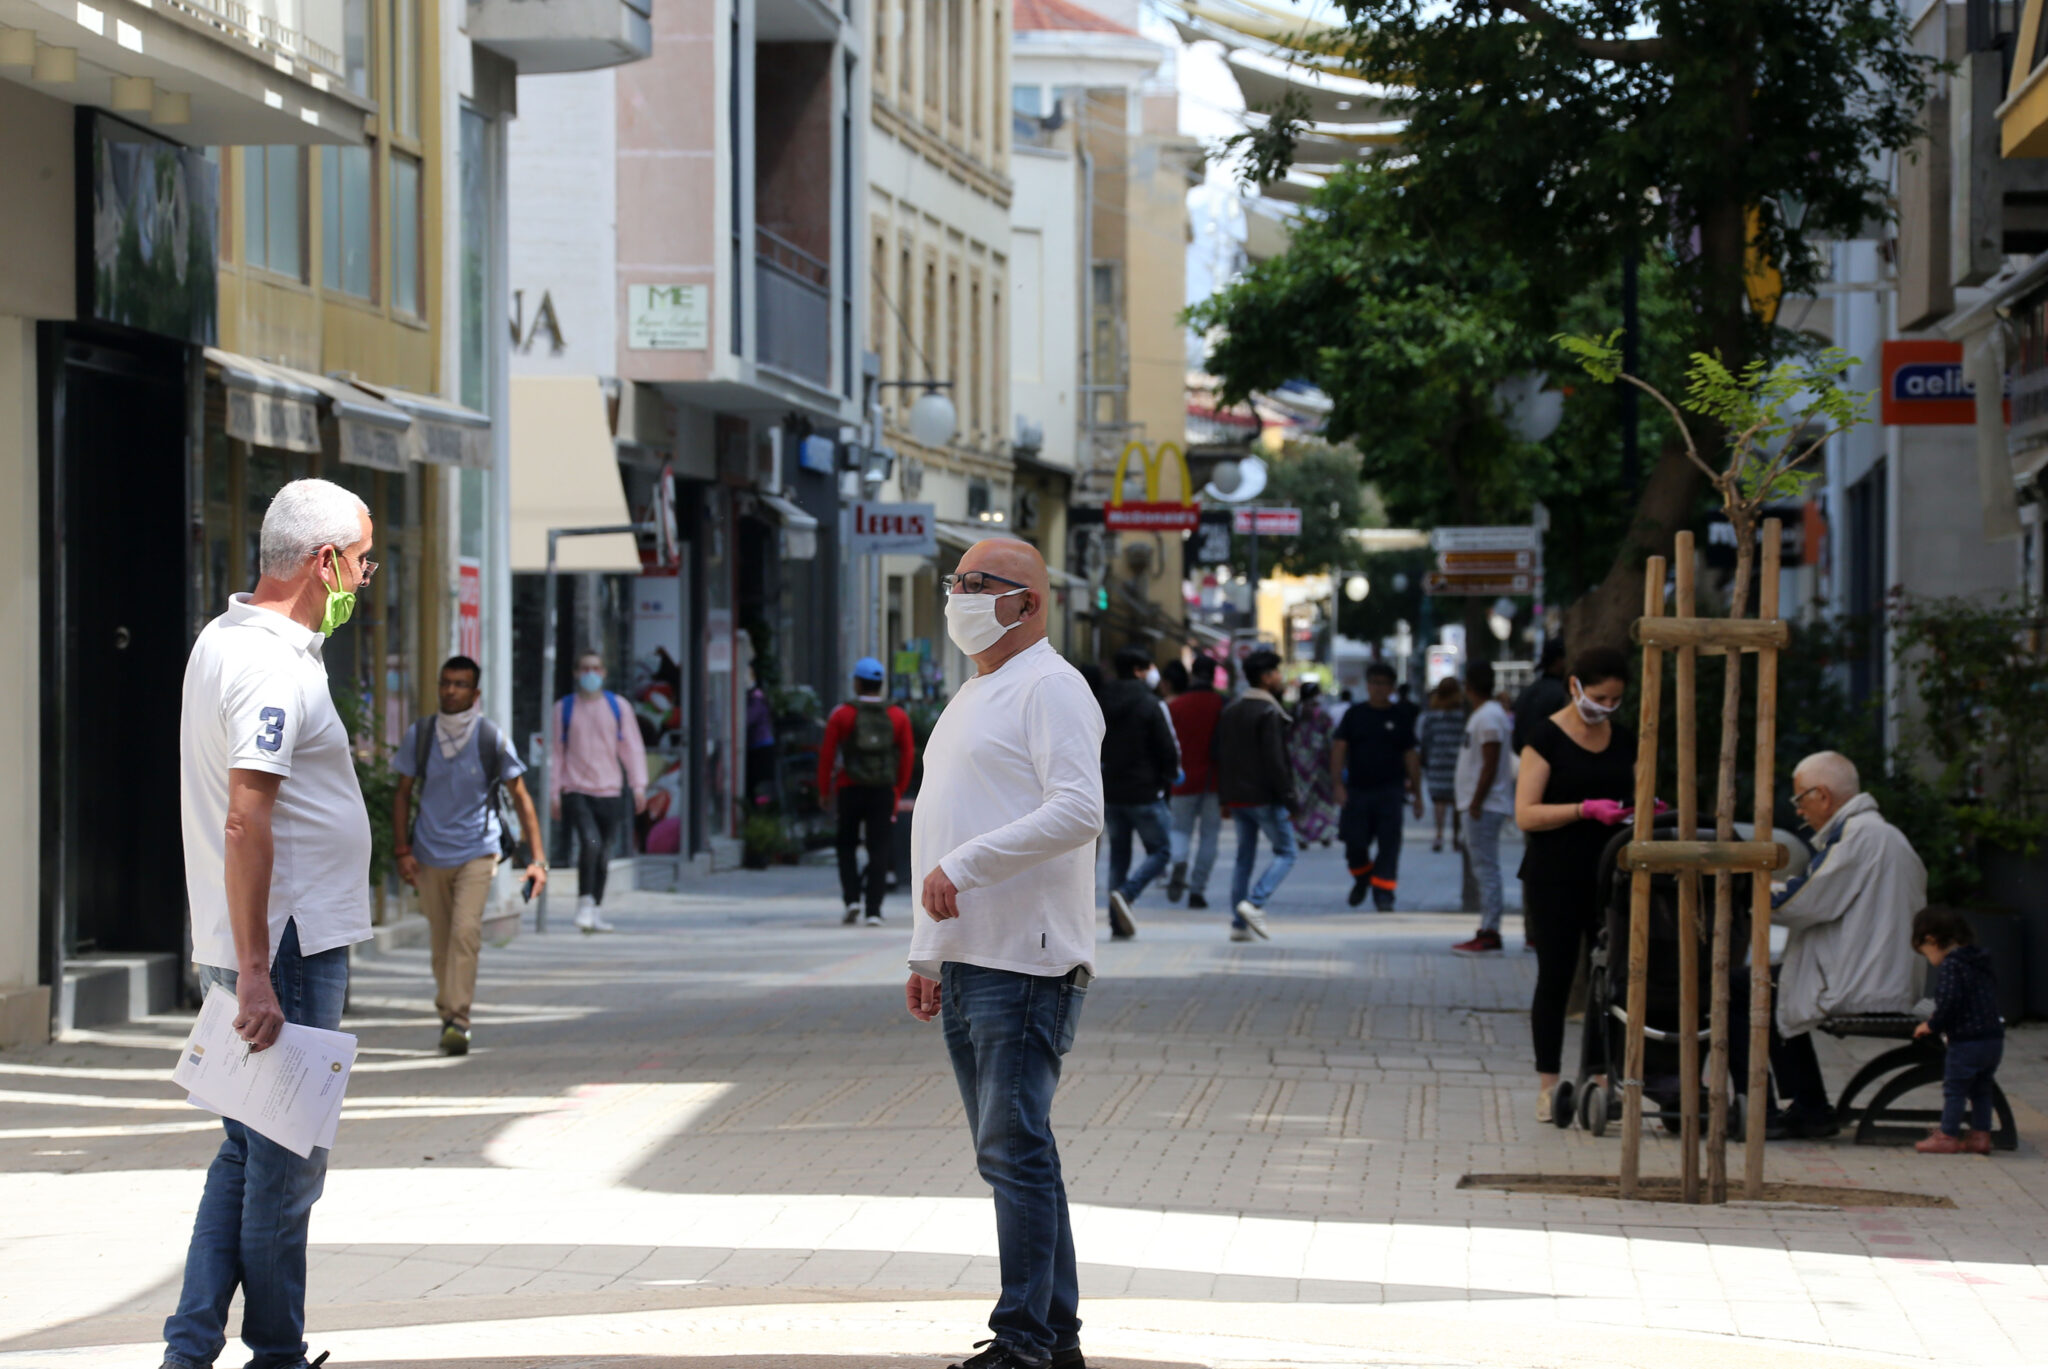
pixel 1966 1014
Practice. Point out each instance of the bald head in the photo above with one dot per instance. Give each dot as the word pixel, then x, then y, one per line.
pixel 1020 564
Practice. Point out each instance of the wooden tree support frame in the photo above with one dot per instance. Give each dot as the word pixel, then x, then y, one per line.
pixel 1690 858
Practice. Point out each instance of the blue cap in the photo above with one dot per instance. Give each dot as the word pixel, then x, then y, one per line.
pixel 869 669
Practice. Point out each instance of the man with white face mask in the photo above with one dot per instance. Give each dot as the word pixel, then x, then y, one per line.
pixel 1002 843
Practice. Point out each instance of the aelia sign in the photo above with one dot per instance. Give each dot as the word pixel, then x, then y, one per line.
pixel 1269 522
pixel 893 530
pixel 1154 514
pixel 1924 385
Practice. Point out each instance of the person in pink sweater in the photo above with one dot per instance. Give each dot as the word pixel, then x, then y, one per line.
pixel 594 753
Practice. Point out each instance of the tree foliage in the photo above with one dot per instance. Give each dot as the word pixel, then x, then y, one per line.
pixel 1322 481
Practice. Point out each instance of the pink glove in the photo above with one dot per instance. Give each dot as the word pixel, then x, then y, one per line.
pixel 1610 811
pixel 1662 807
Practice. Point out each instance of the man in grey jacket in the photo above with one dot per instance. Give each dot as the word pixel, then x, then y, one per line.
pixel 1255 784
pixel 1850 919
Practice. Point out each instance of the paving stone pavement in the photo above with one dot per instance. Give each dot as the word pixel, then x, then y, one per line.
pixel 715 1139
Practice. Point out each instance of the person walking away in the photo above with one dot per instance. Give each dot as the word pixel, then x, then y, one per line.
pixel 595 753
pixel 277 877
pixel 1966 1017
pixel 1543 695
pixel 1140 761
pixel 1255 783
pixel 1002 844
pixel 1197 816
pixel 864 765
pixel 1308 751
pixel 1441 737
pixel 461 764
pixel 1483 787
pixel 1376 770
pixel 1577 777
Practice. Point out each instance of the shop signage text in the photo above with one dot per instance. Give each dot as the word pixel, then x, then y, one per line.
pixel 1153 514
pixel 894 530
pixel 1924 385
pixel 1268 522
pixel 668 318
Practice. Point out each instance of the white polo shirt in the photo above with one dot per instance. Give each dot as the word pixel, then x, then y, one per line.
pixel 256 699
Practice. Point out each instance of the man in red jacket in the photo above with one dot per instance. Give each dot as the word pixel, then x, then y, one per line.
pixel 869 743
pixel 1193 801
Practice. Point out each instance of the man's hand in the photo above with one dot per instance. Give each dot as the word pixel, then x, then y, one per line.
pixel 1338 793
pixel 555 808
pixel 639 803
pixel 941 899
pixel 824 801
pixel 260 1018
pixel 1478 808
pixel 1418 802
pixel 921 996
pixel 1922 1030
pixel 409 869
pixel 538 873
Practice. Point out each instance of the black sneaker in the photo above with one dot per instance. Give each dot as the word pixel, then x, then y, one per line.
pixel 998 1356
pixel 1361 885
pixel 1382 901
pixel 1069 1359
pixel 1176 885
pixel 454 1039
pixel 1122 926
pixel 1196 902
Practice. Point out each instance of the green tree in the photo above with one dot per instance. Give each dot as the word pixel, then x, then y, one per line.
pixel 1323 482
pixel 1558 135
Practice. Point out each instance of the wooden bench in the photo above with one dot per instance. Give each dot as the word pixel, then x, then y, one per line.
pixel 1915 1063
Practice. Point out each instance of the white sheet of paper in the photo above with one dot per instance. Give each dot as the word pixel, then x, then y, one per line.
pixel 291 1093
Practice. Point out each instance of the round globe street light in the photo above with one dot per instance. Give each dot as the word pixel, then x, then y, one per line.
pixel 933 419
pixel 1237 482
pixel 1356 588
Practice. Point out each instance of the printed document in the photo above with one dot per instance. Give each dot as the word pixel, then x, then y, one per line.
pixel 290 1093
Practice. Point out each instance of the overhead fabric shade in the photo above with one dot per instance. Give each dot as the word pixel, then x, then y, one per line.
pixel 367 431
pixel 565 474
pixel 799 529
pixel 443 432
pixel 267 406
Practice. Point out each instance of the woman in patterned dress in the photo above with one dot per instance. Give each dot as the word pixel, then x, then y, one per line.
pixel 1308 750
pixel 1440 732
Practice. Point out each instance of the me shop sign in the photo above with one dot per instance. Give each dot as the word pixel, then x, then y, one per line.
pixel 894 530
pixel 1924 385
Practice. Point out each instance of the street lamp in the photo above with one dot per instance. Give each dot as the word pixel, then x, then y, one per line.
pixel 1237 482
pixel 933 419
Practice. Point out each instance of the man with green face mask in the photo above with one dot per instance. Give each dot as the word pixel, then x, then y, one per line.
pixel 277 873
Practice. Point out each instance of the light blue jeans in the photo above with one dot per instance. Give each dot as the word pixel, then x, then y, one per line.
pixel 251 1228
pixel 1278 826
pixel 1149 821
pixel 1200 817
pixel 1482 841
pixel 1006 1033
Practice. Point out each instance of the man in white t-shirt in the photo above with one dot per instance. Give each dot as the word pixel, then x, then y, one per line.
pixel 277 872
pixel 1002 841
pixel 1485 792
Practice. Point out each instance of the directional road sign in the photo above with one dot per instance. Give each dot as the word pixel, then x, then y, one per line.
pixel 1511 537
pixel 1479 583
pixel 1498 561
pixel 1269 522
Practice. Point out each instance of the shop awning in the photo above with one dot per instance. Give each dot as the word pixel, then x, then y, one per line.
pixel 368 431
pixel 799 529
pixel 267 406
pixel 565 474
pixel 443 432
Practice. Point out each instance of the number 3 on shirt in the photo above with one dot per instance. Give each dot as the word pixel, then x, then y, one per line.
pixel 272 737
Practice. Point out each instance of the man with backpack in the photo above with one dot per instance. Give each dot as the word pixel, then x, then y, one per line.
pixel 871 742
pixel 465 770
pixel 594 752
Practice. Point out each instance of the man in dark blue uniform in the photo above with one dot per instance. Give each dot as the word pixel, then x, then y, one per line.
pixel 1374 765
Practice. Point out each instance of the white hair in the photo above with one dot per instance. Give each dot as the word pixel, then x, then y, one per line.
pixel 1832 771
pixel 303 517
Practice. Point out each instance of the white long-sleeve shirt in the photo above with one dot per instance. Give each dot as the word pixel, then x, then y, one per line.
pixel 1010 808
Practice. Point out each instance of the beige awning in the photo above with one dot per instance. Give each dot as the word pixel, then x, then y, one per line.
pixel 443 432
pixel 267 406
pixel 565 474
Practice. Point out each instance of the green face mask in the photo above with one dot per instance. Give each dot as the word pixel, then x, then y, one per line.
pixel 341 603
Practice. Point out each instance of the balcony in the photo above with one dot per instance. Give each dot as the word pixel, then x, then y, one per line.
pixel 200 72
pixel 542 36
pixel 793 302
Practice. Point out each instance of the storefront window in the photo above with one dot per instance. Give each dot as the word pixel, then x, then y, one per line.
pixel 348 217
pixel 405 235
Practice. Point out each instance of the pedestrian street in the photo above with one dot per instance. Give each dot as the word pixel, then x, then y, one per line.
pixel 715 1138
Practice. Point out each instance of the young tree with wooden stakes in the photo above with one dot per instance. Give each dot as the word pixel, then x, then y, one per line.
pixel 1776 420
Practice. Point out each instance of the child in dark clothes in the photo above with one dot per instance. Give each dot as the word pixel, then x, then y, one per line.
pixel 1966 1015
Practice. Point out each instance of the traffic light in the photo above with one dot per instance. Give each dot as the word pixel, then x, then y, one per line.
pixel 1102 598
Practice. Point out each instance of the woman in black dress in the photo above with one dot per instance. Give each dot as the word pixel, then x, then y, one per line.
pixel 1577 778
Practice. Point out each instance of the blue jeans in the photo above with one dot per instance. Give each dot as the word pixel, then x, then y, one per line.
pixel 251 1228
pixel 1198 816
pixel 1006 1033
pixel 1150 821
pixel 1482 841
pixel 1966 1080
pixel 1273 820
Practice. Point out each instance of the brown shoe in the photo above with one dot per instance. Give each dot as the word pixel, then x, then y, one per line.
pixel 1977 1142
pixel 1939 1142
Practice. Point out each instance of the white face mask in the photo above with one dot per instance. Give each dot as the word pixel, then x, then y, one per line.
pixel 971 621
pixel 1152 677
pixel 1593 712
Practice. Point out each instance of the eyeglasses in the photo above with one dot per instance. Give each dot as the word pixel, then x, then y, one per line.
pixel 364 570
pixel 1801 796
pixel 977 582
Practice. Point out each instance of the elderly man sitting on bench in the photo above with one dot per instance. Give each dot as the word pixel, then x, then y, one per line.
pixel 1850 920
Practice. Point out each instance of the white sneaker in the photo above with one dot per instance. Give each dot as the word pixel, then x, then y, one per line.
pixel 1242 934
pixel 1254 919
pixel 586 914
pixel 1543 1105
pixel 852 915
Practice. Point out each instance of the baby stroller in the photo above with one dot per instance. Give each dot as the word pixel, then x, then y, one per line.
pixel 1603 1042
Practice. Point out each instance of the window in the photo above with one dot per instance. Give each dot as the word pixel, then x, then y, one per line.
pixel 223 205
pixel 347 215
pixel 905 71
pixel 1000 390
pixel 974 358
pixel 476 267
pixel 953 329
pixel 878 302
pixel 274 202
pixel 931 55
pixel 956 66
pixel 973 93
pixel 405 235
pixel 405 72
pixel 357 36
pixel 883 52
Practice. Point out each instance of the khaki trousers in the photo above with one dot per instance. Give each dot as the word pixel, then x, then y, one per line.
pixel 453 900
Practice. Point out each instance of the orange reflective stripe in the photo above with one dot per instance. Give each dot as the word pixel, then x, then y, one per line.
pixel 1364 869
pixel 1386 884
